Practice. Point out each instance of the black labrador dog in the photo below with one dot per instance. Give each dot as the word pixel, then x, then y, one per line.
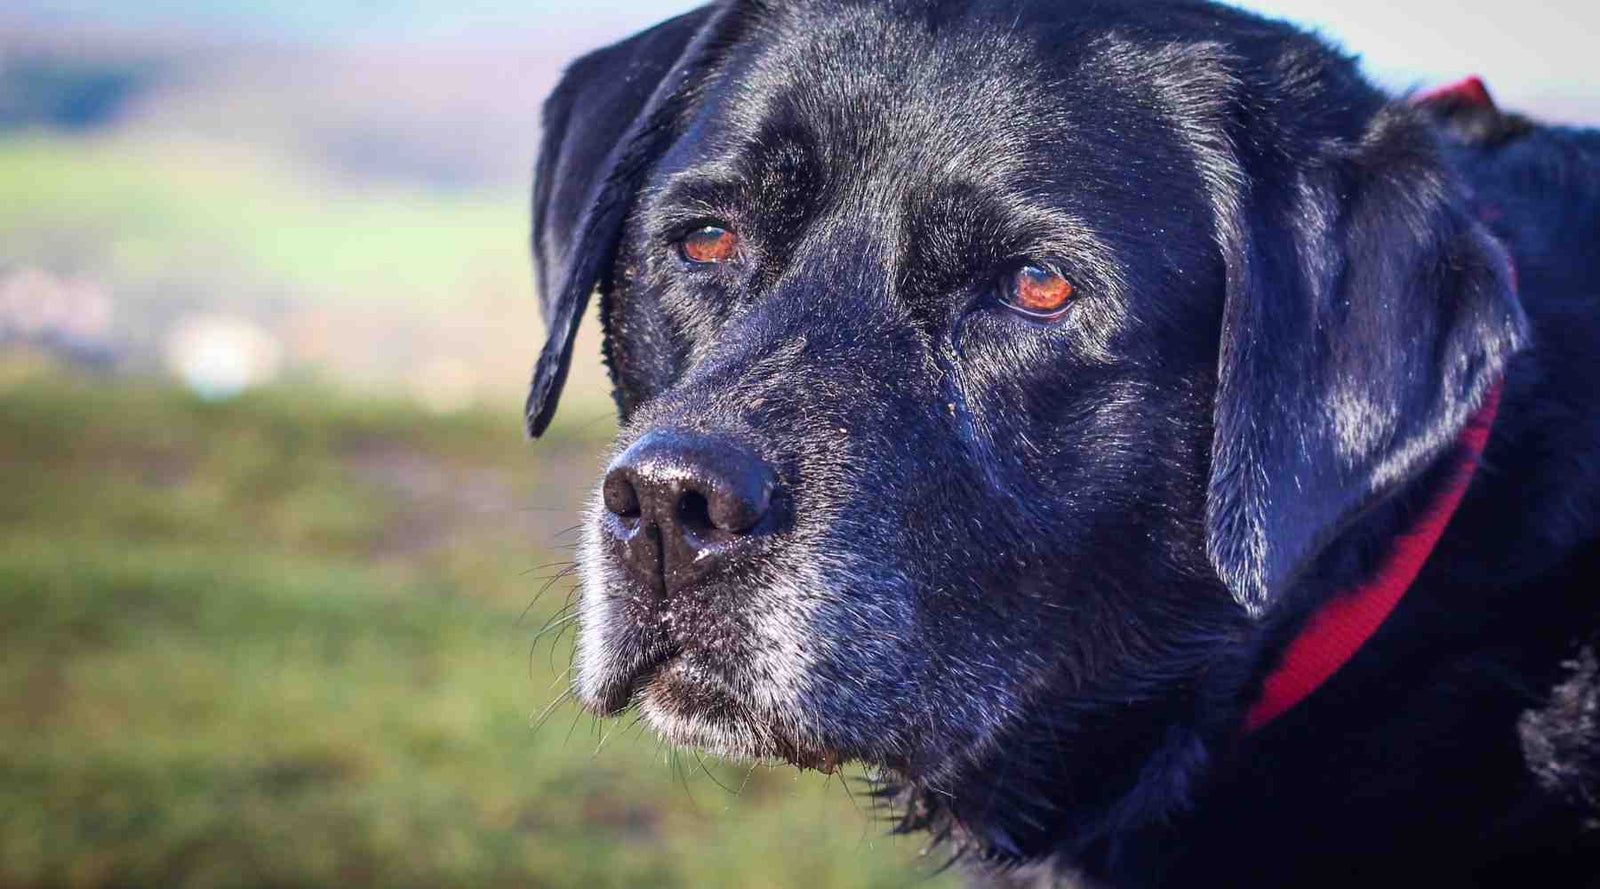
pixel 1164 458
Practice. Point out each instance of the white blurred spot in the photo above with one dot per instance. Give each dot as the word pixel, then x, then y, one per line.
pixel 220 356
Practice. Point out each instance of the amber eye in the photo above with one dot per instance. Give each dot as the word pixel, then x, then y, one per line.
pixel 1036 292
pixel 709 244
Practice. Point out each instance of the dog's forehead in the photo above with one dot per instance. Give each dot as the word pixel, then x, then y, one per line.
pixel 872 83
pixel 919 97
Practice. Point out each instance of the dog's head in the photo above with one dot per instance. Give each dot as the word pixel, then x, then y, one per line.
pixel 987 373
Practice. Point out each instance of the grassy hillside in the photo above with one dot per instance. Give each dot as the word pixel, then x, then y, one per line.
pixel 292 640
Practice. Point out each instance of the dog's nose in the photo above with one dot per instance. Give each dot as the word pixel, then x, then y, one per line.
pixel 682 501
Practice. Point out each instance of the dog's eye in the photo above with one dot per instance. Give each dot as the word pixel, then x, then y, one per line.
pixel 710 244
pixel 1037 293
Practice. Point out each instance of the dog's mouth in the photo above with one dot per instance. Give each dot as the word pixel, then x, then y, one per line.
pixel 693 706
pixel 628 686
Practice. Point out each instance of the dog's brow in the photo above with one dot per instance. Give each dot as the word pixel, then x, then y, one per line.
pixel 700 190
pixel 697 195
pixel 1025 224
pixel 764 171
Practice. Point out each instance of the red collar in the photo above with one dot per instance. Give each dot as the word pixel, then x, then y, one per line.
pixel 1334 633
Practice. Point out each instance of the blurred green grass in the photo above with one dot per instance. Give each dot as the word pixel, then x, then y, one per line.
pixel 281 641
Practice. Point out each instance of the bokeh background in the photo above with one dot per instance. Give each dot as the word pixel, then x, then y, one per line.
pixel 281 584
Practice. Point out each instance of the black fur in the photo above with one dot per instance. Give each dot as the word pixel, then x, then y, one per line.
pixel 1035 572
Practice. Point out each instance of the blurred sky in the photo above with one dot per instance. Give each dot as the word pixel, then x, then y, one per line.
pixel 1539 50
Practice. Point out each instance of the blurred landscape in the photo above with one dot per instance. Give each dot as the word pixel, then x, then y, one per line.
pixel 282 586
pixel 364 208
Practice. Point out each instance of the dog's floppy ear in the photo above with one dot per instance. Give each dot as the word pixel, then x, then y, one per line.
pixel 613 114
pixel 1367 317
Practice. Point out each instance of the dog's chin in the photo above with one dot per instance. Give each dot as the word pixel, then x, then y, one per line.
pixel 695 708
pixel 691 710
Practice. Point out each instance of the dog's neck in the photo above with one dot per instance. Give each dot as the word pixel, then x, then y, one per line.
pixel 1338 628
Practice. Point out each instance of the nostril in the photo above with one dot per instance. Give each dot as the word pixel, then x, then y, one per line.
pixel 619 494
pixel 694 512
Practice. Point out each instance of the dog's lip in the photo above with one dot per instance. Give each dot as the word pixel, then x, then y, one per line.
pixel 826 760
pixel 624 688
pixel 678 686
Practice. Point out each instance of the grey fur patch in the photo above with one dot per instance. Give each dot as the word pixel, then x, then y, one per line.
pixel 1561 742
